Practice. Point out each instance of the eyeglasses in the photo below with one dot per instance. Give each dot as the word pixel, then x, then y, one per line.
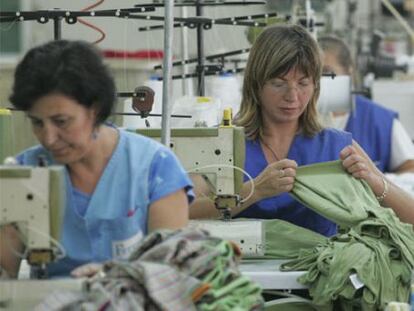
pixel 280 86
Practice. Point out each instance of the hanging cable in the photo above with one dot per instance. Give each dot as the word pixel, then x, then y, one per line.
pixel 197 170
pixel 93 5
pixel 82 21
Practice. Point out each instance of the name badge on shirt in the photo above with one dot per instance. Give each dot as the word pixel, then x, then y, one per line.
pixel 123 249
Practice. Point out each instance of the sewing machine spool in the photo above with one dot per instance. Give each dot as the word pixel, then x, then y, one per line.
pixel 142 103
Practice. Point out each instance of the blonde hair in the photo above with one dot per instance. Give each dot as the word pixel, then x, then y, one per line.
pixel 277 50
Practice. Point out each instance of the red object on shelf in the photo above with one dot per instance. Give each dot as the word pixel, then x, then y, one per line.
pixel 140 54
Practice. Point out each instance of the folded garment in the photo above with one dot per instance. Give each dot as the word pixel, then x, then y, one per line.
pixel 367 264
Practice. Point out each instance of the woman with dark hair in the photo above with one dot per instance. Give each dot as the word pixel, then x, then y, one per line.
pixel 119 186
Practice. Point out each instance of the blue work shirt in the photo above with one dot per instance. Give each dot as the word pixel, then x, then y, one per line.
pixel 371 127
pixel 109 223
pixel 325 146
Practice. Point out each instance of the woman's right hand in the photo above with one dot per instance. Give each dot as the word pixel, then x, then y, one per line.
pixel 276 178
pixel 11 251
pixel 87 270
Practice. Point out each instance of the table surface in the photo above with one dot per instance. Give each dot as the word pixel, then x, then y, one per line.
pixel 21 294
pixel 268 275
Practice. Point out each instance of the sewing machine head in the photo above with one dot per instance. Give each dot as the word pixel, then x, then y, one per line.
pixel 214 153
pixel 33 198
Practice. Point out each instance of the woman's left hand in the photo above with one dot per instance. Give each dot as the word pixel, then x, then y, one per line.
pixel 358 164
pixel 355 164
pixel 87 270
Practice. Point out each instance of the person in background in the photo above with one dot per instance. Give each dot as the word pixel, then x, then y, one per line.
pixel 280 118
pixel 120 185
pixel 376 128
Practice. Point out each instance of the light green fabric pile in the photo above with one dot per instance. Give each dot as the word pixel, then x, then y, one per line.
pixel 365 266
pixel 229 290
pixel 333 193
pixel 290 304
pixel 283 240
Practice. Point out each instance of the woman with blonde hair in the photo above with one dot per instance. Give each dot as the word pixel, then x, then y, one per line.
pixel 278 112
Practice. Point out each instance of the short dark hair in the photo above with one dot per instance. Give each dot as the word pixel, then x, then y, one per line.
pixel 72 68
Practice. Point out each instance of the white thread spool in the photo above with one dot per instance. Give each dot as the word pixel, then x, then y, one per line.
pixel 335 95
pixel 204 112
pixel 227 88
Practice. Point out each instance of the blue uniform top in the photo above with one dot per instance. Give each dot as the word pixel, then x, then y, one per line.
pixel 323 147
pixel 109 223
pixel 371 127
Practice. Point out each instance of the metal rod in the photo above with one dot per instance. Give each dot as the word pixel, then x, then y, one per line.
pixel 152 114
pixel 186 84
pixel 127 113
pixel 167 72
pixel 22 16
pixel 192 21
pixel 211 3
pixel 212 73
pixel 200 51
pixel 209 57
pixel 57 28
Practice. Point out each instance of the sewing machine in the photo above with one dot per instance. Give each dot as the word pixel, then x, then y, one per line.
pixel 217 154
pixel 38 191
pixel 33 198
pixel 210 152
pixel 7 144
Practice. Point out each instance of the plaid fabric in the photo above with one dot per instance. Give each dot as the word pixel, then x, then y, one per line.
pixel 170 270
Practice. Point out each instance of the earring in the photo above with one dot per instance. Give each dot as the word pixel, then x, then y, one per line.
pixel 95 134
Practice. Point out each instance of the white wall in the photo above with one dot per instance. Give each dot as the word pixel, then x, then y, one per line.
pixel 398 96
pixel 123 34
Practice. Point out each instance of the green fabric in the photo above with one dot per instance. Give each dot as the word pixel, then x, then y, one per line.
pixel 7 146
pixel 285 301
pixel 227 292
pixel 385 275
pixel 290 304
pixel 375 246
pixel 328 190
pixel 294 238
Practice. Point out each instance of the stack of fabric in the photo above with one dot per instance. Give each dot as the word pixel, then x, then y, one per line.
pixel 180 270
pixel 365 266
